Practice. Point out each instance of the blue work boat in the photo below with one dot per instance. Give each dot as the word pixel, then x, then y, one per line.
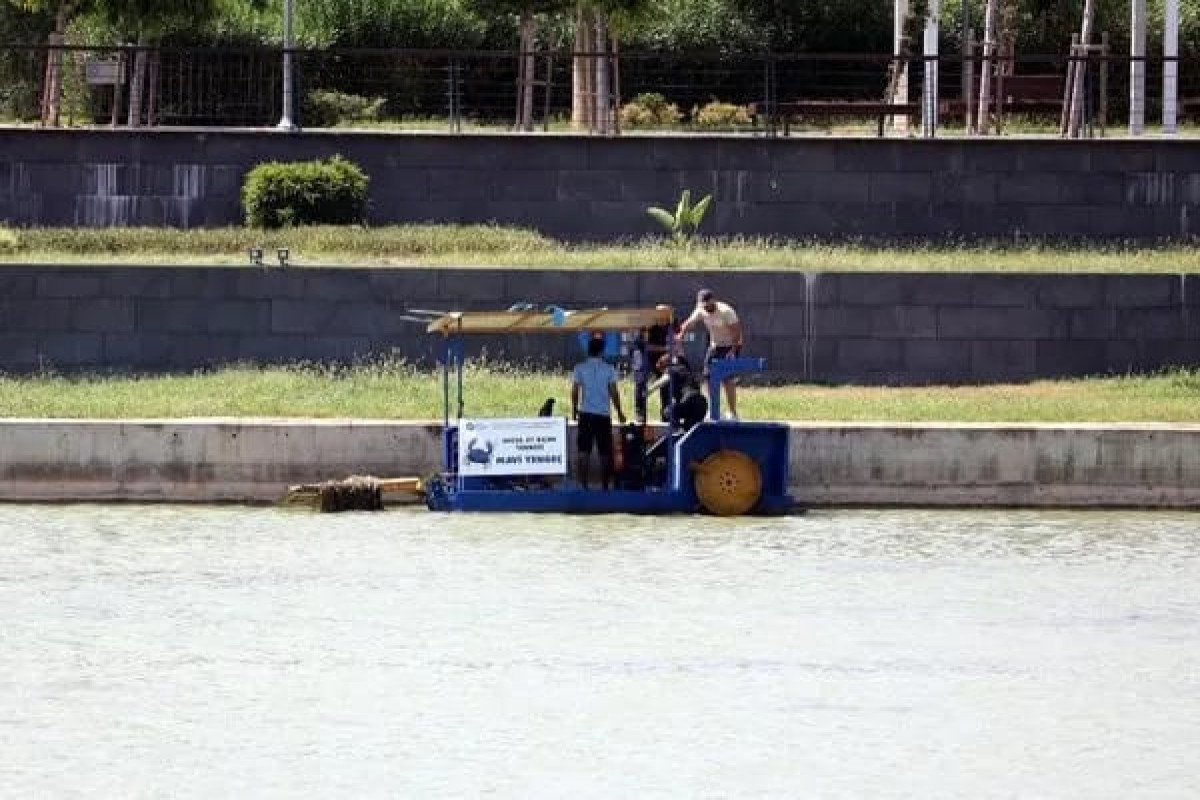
pixel 725 467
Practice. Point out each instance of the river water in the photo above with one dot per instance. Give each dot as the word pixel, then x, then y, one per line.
pixel 202 652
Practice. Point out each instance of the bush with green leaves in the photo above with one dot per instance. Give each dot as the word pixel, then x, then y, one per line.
pixel 10 241
pixel 650 110
pixel 721 116
pixel 683 224
pixel 324 109
pixel 282 194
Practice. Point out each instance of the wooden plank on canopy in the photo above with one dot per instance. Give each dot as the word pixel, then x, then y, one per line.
pixel 601 319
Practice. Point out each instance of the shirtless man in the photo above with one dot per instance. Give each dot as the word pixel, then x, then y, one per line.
pixel 724 337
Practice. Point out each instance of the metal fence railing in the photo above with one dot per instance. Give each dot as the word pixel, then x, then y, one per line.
pixel 763 94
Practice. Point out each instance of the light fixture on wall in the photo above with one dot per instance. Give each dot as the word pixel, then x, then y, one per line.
pixel 256 256
pixel 283 254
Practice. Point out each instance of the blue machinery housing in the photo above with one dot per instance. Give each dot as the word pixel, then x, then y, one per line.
pixel 668 484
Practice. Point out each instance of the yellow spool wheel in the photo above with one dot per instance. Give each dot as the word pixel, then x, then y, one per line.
pixel 728 483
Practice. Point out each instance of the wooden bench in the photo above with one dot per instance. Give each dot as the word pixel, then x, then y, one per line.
pixel 1032 93
pixel 1187 108
pixel 1018 94
pixel 837 108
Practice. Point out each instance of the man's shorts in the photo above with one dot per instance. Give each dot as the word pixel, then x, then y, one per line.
pixel 716 354
pixel 597 429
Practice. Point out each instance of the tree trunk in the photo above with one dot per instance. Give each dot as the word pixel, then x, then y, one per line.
pixel 581 72
pixel 52 89
pixel 526 71
pixel 118 86
pixel 987 67
pixel 616 82
pixel 1077 89
pixel 153 98
pixel 137 86
pixel 600 81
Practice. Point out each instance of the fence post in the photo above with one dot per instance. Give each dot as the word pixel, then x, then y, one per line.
pixel 1069 87
pixel 1102 112
pixel 52 89
pixel 452 91
pixel 968 82
pixel 1077 93
pixel 770 125
pixel 549 85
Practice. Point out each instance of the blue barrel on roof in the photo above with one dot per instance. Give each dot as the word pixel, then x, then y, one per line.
pixel 612 344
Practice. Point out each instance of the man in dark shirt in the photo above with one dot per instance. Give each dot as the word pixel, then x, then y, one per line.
pixel 652 343
pixel 687 407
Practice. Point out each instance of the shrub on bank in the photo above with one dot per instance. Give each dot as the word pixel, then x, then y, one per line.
pixel 10 242
pixel 278 194
pixel 721 116
pixel 328 109
pixel 650 110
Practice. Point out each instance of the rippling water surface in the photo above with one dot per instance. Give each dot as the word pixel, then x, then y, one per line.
pixel 154 651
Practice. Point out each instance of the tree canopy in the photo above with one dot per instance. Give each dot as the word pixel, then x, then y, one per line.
pixel 844 26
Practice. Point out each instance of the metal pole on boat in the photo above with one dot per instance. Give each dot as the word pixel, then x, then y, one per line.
pixel 669 448
pixel 445 383
pixel 460 370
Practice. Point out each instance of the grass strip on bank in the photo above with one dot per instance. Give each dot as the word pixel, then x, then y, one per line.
pixel 400 391
pixel 496 246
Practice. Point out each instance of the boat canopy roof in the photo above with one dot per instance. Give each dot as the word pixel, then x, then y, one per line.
pixel 554 320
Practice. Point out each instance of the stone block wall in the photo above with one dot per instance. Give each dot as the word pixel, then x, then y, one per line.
pixel 878 328
pixel 591 188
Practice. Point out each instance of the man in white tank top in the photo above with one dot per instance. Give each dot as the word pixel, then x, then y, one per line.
pixel 724 337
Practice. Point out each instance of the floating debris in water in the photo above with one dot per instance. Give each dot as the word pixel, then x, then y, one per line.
pixel 356 493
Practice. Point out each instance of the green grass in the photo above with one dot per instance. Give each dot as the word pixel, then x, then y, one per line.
pixel 488 245
pixel 1014 126
pixel 400 391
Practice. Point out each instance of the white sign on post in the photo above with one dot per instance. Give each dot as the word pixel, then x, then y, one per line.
pixel 498 447
pixel 104 72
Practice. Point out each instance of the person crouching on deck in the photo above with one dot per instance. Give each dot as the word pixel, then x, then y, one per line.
pixel 593 387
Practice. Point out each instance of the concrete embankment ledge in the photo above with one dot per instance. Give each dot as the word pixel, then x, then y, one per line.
pixel 254 460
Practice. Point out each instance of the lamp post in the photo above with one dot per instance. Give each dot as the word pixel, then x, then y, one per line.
pixel 1137 67
pixel 929 48
pixel 1170 66
pixel 288 121
pixel 899 60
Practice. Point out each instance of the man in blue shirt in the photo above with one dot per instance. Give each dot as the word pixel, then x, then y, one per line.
pixel 593 387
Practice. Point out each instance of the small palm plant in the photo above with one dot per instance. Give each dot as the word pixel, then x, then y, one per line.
pixel 683 224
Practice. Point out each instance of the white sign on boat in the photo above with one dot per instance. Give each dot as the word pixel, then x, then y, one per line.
pixel 524 446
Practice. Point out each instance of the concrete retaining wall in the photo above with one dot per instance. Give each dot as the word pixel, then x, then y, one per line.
pixel 598 188
pixel 1155 466
pixel 201 460
pixel 255 460
pixel 892 328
